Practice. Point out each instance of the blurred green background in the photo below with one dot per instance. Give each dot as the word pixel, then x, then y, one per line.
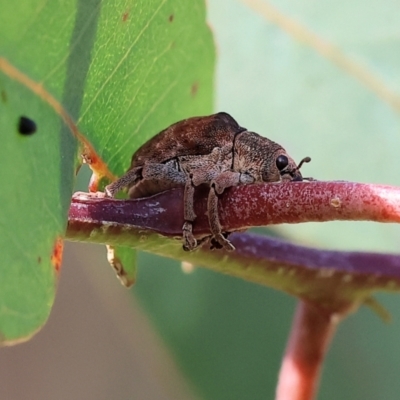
pixel 208 336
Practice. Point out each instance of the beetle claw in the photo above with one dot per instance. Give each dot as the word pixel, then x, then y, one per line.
pixel 220 242
pixel 189 241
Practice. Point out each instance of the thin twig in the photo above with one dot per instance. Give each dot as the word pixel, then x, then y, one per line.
pixel 308 343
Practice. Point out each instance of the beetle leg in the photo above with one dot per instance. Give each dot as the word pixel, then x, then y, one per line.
pixel 218 185
pixel 198 170
pixel 128 179
pixel 170 175
pixel 216 229
pixel 189 241
pixel 189 201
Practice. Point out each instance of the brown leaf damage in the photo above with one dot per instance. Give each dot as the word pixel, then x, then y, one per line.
pixel 56 255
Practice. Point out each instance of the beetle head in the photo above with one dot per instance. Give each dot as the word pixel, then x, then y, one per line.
pixel 288 170
pixel 264 159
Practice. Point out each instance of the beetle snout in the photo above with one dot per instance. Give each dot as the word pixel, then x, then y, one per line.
pixel 291 175
pixel 297 177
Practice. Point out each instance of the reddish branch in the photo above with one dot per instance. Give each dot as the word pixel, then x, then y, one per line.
pixel 330 283
pixel 256 205
pixel 332 278
pixel 310 336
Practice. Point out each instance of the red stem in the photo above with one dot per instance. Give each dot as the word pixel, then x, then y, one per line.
pixel 308 343
pixel 330 283
pixel 245 206
pixel 331 279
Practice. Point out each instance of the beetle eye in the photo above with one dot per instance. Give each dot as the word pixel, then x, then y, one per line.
pixel 282 162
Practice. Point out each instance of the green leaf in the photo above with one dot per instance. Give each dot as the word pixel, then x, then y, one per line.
pixel 37 169
pixel 123 70
pixel 33 213
pixel 151 66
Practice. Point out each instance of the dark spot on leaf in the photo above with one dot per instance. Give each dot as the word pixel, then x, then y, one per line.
pixel 3 96
pixel 194 89
pixel 26 126
pixel 171 18
pixel 56 256
pixel 125 16
pixel 39 259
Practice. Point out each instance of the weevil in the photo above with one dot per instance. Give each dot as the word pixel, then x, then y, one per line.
pixel 213 150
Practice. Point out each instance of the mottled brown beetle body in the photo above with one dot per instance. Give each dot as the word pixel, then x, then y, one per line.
pixel 212 150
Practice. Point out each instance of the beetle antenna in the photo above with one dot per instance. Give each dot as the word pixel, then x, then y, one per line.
pixel 304 160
